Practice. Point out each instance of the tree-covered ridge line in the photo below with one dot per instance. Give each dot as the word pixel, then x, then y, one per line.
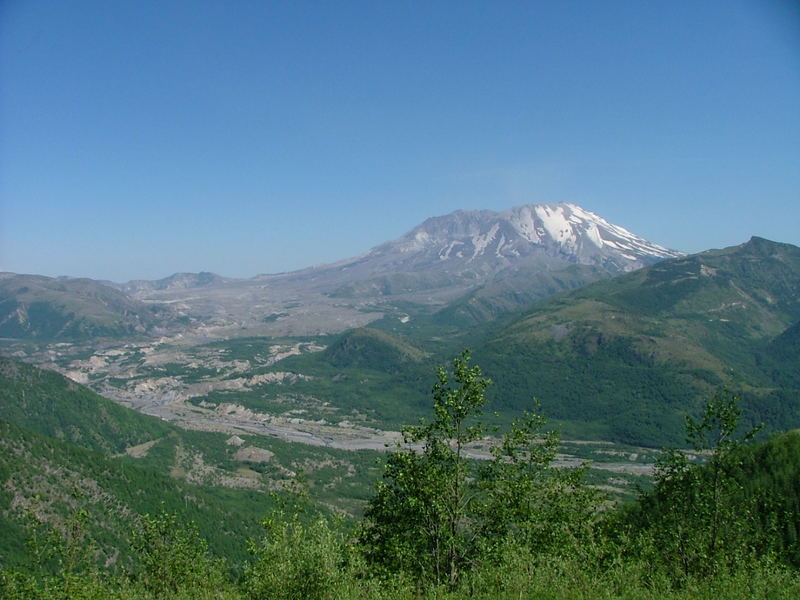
pixel 442 526
pixel 55 406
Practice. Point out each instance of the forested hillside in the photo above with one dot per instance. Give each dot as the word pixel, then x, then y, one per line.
pixel 624 359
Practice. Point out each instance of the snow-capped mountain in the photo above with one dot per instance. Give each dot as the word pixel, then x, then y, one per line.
pixel 564 231
pixel 477 264
pixel 482 243
pixel 502 259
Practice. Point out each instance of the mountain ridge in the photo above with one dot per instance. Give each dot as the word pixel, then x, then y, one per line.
pixel 563 225
pixel 512 257
pixel 483 242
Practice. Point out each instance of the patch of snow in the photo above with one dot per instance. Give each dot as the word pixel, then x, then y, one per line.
pixel 593 234
pixel 446 254
pixel 630 241
pixel 500 244
pixel 556 224
pixel 479 242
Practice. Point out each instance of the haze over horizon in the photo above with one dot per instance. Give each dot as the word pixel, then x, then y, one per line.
pixel 143 139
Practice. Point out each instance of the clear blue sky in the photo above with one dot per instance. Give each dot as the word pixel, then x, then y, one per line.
pixel 140 138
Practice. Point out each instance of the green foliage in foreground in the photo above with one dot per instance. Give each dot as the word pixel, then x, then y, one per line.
pixel 444 527
pixel 699 516
pixel 519 574
pixel 437 513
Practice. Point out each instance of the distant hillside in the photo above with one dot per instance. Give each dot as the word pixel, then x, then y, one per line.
pixel 514 288
pixel 175 281
pixel 624 358
pixel 371 349
pixel 33 306
pixel 782 357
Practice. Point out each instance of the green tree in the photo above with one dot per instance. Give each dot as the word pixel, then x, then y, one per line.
pixel 421 519
pixel 530 501
pixel 63 563
pixel 438 512
pixel 697 518
pixel 302 555
pixel 171 558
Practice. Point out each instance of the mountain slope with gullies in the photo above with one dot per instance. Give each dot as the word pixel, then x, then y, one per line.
pixel 500 260
pixel 480 246
pixel 628 356
pixel 562 230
